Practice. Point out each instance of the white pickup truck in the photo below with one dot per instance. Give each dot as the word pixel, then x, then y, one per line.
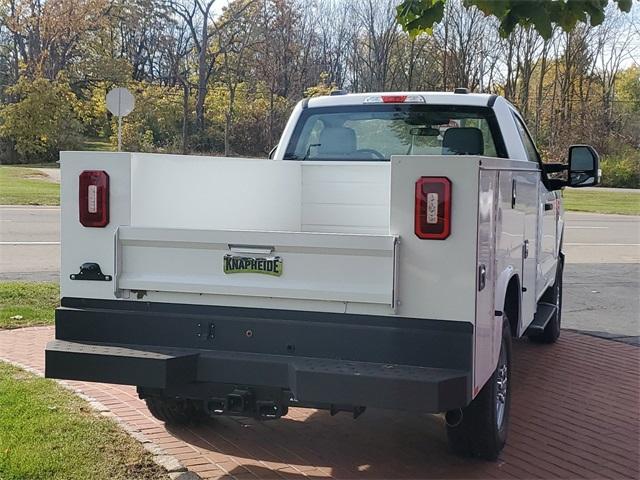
pixel 382 257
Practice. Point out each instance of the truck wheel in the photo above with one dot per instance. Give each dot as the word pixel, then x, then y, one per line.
pixel 482 431
pixel 175 411
pixel 553 295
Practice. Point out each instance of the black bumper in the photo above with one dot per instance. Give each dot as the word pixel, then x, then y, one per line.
pixel 333 359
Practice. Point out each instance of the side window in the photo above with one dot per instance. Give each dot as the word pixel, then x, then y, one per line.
pixel 529 146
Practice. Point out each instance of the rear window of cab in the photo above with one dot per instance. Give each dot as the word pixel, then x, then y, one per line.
pixel 376 132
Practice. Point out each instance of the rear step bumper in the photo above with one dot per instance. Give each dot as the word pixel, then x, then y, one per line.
pixel 365 359
pixel 311 380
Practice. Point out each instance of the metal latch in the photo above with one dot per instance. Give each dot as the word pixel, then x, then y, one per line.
pixel 90 271
pixel 525 249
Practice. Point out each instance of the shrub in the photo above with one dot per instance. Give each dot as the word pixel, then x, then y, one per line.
pixel 621 170
pixel 42 122
pixel 155 125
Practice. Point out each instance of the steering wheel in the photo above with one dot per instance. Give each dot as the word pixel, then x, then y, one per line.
pixel 376 154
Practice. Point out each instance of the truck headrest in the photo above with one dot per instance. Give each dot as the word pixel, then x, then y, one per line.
pixel 463 141
pixel 337 140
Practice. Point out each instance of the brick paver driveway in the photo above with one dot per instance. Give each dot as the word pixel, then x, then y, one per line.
pixel 575 415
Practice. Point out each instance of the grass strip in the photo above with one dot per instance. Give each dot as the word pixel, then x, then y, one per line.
pixel 27 304
pixel 48 433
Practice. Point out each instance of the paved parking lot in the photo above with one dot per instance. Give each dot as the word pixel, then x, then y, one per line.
pixel 575 415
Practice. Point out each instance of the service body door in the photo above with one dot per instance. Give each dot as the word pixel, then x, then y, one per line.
pixel 525 202
pixel 487 338
pixel 548 253
pixel 516 232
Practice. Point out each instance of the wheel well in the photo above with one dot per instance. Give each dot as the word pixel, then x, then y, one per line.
pixel 512 304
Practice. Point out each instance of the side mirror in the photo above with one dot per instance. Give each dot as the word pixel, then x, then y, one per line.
pixel 584 166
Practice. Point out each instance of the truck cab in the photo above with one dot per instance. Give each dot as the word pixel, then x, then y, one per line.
pixel 383 257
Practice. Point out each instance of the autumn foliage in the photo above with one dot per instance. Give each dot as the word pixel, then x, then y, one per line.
pixel 224 80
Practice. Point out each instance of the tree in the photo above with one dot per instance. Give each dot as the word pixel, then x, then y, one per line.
pixel 234 38
pixel 46 34
pixel 197 17
pixel 43 121
pixel 376 41
pixel 418 16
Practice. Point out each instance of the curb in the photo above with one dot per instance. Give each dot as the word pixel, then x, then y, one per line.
pixel 175 469
pixel 633 340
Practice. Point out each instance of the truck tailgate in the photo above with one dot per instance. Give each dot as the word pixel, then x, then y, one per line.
pixel 314 266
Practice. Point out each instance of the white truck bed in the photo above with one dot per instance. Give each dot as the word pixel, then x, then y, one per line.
pixel 343 229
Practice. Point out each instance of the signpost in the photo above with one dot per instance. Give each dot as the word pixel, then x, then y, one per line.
pixel 120 103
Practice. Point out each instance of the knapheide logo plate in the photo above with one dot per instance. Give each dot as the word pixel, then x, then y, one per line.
pixel 264 265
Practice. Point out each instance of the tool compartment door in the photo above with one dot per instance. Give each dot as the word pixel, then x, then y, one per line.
pixel 312 266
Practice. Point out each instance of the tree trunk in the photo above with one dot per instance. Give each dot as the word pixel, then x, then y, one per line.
pixel 185 115
pixel 444 54
pixel 228 122
pixel 202 74
pixel 543 68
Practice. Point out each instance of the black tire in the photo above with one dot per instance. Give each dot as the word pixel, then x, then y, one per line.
pixel 553 295
pixel 175 411
pixel 482 432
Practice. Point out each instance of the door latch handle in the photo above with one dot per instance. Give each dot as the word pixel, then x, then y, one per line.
pixel 525 249
pixel 482 277
pixel 251 249
pixel 514 193
pixel 548 206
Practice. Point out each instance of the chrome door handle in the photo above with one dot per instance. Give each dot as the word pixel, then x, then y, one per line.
pixel 482 277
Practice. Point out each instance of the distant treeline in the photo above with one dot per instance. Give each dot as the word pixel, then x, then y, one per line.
pixel 225 81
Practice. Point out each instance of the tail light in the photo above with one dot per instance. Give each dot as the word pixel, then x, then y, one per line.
pixel 94 198
pixel 433 208
pixel 395 99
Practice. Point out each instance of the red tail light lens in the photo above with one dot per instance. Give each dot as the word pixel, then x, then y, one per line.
pixel 433 208
pixel 93 198
pixel 394 98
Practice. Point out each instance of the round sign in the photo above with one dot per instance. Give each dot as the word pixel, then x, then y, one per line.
pixel 120 102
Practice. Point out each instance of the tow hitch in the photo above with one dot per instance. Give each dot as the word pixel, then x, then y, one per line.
pixel 268 405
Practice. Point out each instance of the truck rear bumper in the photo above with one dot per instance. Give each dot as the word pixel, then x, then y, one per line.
pixel 329 359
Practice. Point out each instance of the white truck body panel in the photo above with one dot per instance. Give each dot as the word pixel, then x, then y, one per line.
pixel 437 279
pixel 182 191
pixel 345 197
pixel 146 259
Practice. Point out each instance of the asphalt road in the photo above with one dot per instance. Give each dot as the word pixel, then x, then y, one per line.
pixel 601 282
pixel 602 274
pixel 29 243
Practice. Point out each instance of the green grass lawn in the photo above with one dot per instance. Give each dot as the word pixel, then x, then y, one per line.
pixel 25 186
pixel 48 433
pixel 97 145
pixel 26 304
pixel 625 203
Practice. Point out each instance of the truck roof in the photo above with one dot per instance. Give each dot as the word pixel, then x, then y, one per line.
pixel 431 98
